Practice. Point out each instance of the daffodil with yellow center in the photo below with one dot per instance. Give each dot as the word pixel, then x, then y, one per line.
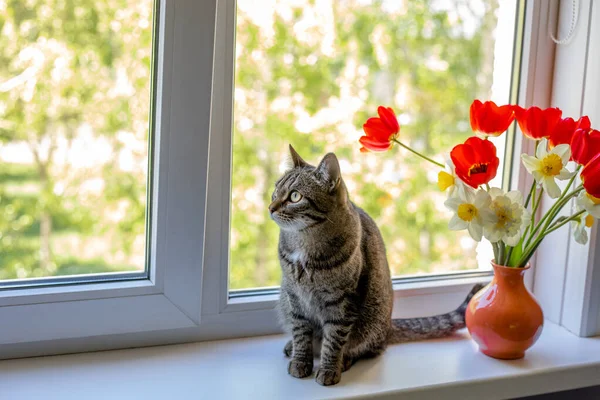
pixel 589 203
pixel 445 180
pixel 546 167
pixel 589 221
pixel 448 181
pixel 471 211
pixel 579 226
pixel 467 212
pixel 510 218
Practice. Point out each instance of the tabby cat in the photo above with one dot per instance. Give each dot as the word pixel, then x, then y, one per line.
pixel 336 289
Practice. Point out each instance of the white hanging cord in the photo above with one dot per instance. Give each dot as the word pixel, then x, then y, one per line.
pixel 574 18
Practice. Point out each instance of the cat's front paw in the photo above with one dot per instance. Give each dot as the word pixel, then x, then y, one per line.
pixel 347 363
pixel 288 349
pixel 328 377
pixel 300 369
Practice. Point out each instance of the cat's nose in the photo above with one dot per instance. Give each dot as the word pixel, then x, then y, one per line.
pixel 273 207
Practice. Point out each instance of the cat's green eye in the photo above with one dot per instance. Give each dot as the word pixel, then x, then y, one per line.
pixel 295 197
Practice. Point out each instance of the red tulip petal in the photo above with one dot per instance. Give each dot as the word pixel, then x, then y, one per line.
pixel 475 161
pixel 493 169
pixel 484 149
pixel 473 114
pixel 533 120
pixel 563 132
pixel 500 118
pixel 490 119
pixel 489 150
pixel 584 123
pixel 594 143
pixel 585 146
pixel 536 123
pixel 377 129
pixel 374 145
pixel 517 109
pixel 462 156
pixel 521 115
pixel 388 116
pixel 590 176
pixel 579 147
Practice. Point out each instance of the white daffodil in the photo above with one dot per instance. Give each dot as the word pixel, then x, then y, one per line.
pixel 448 180
pixel 589 203
pixel 579 227
pixel 510 217
pixel 471 211
pixel 546 166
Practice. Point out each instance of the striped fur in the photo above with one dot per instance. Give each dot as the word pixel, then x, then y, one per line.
pixel 336 292
pixel 404 330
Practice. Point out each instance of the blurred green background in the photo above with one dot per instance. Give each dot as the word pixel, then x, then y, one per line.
pixel 74 118
pixel 310 73
pixel 74 105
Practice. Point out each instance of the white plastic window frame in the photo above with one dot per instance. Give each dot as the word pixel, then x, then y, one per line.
pixel 47 320
pixel 566 275
pixel 186 297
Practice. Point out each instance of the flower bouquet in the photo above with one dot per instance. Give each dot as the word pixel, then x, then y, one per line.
pixel 504 318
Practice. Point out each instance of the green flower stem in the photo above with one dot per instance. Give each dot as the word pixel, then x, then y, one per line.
pixel 529 247
pixel 501 248
pixel 555 223
pixel 508 254
pixel 535 205
pixel 555 212
pixel 533 184
pixel 527 255
pixel 533 196
pixel 496 252
pixel 551 213
pixel 580 188
pixel 563 222
pixel 555 207
pixel 530 194
pixel 424 157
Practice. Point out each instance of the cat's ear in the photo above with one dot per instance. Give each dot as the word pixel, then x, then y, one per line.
pixel 296 159
pixel 329 172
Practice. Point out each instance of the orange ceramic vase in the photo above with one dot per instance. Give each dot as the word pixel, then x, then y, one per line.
pixel 503 318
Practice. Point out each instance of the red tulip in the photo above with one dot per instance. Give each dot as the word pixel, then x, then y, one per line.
pixel 475 161
pixel 563 132
pixel 536 123
pixel 489 119
pixel 590 177
pixel 585 145
pixel 380 131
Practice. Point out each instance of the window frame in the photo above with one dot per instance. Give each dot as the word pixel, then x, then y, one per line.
pixel 186 297
pixel 170 297
pixel 567 275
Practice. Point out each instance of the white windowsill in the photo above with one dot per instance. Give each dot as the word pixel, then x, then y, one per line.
pixel 256 368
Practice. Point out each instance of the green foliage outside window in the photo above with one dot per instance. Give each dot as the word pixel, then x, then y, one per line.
pixel 74 118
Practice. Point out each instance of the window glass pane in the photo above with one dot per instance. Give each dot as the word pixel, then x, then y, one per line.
pixel 310 73
pixel 74 134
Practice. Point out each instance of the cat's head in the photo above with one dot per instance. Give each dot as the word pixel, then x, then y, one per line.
pixel 305 196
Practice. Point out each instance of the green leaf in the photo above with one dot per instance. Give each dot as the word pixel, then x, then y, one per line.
pixel 516 254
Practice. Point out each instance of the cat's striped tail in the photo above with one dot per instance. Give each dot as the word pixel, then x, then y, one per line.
pixel 404 330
